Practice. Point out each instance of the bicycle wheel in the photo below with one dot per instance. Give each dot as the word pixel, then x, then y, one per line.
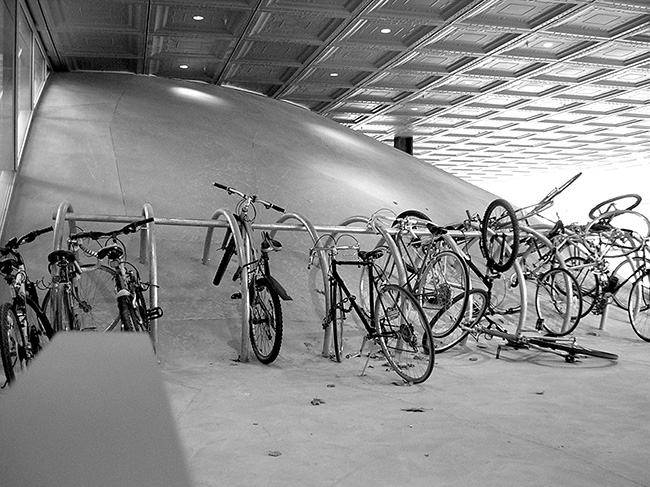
pixel 337 319
pixel 125 308
pixel 12 345
pixel 443 290
pixel 58 310
pixel 477 301
pixel 265 325
pixel 624 276
pixel 403 334
pixel 638 308
pixel 414 255
pixel 558 302
pixel 94 299
pixel 500 235
pixel 229 251
pixel 588 281
pixel 571 349
pixel 139 315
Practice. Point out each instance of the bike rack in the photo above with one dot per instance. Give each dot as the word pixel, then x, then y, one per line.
pixel 148 252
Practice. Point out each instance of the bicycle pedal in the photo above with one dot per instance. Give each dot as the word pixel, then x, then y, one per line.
pixel 235 296
pixel 154 313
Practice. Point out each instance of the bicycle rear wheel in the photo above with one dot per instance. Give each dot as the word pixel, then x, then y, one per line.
pixel 265 325
pixel 638 307
pixel 39 330
pixel 442 291
pixel 571 349
pixel 500 235
pixel 403 332
pixel 12 345
pixel 558 302
pixel 58 310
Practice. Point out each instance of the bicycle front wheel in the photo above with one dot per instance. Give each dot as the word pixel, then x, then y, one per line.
pixel 500 235
pixel 12 345
pixel 443 291
pixel 265 326
pixel 403 333
pixel 94 299
pixel 338 318
pixel 477 302
pixel 638 307
pixel 558 302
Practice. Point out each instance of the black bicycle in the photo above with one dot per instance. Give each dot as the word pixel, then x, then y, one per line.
pixel 394 318
pixel 24 328
pixel 264 291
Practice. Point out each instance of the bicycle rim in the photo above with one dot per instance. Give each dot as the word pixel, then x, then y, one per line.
pixel 338 319
pixel 638 308
pixel 500 235
pixel 572 349
pixel 94 299
pixel 443 291
pixel 558 302
pixel 403 333
pixel 265 326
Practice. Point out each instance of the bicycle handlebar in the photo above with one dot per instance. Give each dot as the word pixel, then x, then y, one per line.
pixel 253 198
pixel 130 228
pixel 14 243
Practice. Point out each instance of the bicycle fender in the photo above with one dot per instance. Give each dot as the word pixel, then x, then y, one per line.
pixel 276 286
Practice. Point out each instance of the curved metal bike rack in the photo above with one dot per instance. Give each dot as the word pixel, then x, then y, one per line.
pixel 148 254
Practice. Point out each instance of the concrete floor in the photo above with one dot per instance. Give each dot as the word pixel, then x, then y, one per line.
pixel 110 143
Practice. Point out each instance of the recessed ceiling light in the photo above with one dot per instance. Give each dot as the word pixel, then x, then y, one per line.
pixel 385 31
pixel 198 17
pixel 183 66
pixel 548 44
pixel 334 75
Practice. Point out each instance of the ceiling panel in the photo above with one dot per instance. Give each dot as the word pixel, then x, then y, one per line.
pixel 484 87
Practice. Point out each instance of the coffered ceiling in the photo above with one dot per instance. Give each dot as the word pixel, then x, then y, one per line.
pixel 484 87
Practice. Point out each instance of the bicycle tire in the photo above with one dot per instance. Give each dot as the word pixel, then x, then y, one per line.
pixel 403 333
pixel 12 345
pixel 624 278
pixel 500 235
pixel 265 324
pixel 139 313
pixel 126 309
pixel 594 212
pixel 412 261
pixel 558 311
pixel 337 319
pixel 638 307
pixel 94 299
pixel 588 281
pixel 477 302
pixel 443 291
pixel 571 349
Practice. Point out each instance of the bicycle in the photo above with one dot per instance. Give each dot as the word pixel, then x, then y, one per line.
pixel 129 289
pixel 24 328
pixel 395 318
pixel 264 291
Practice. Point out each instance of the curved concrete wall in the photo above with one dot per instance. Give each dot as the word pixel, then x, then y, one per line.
pixel 109 143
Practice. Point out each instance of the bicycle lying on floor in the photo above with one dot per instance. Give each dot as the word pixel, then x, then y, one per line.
pixel 395 320
pixel 264 291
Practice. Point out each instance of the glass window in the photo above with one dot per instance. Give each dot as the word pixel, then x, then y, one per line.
pixel 40 73
pixel 6 86
pixel 23 78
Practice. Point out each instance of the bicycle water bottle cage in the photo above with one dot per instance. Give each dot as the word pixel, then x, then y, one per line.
pixel 435 230
pixel 111 251
pixel 61 255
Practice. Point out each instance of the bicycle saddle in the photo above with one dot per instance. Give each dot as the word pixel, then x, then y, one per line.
pixel 115 251
pixel 62 254
pixel 371 254
pixel 435 230
pixel 269 243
